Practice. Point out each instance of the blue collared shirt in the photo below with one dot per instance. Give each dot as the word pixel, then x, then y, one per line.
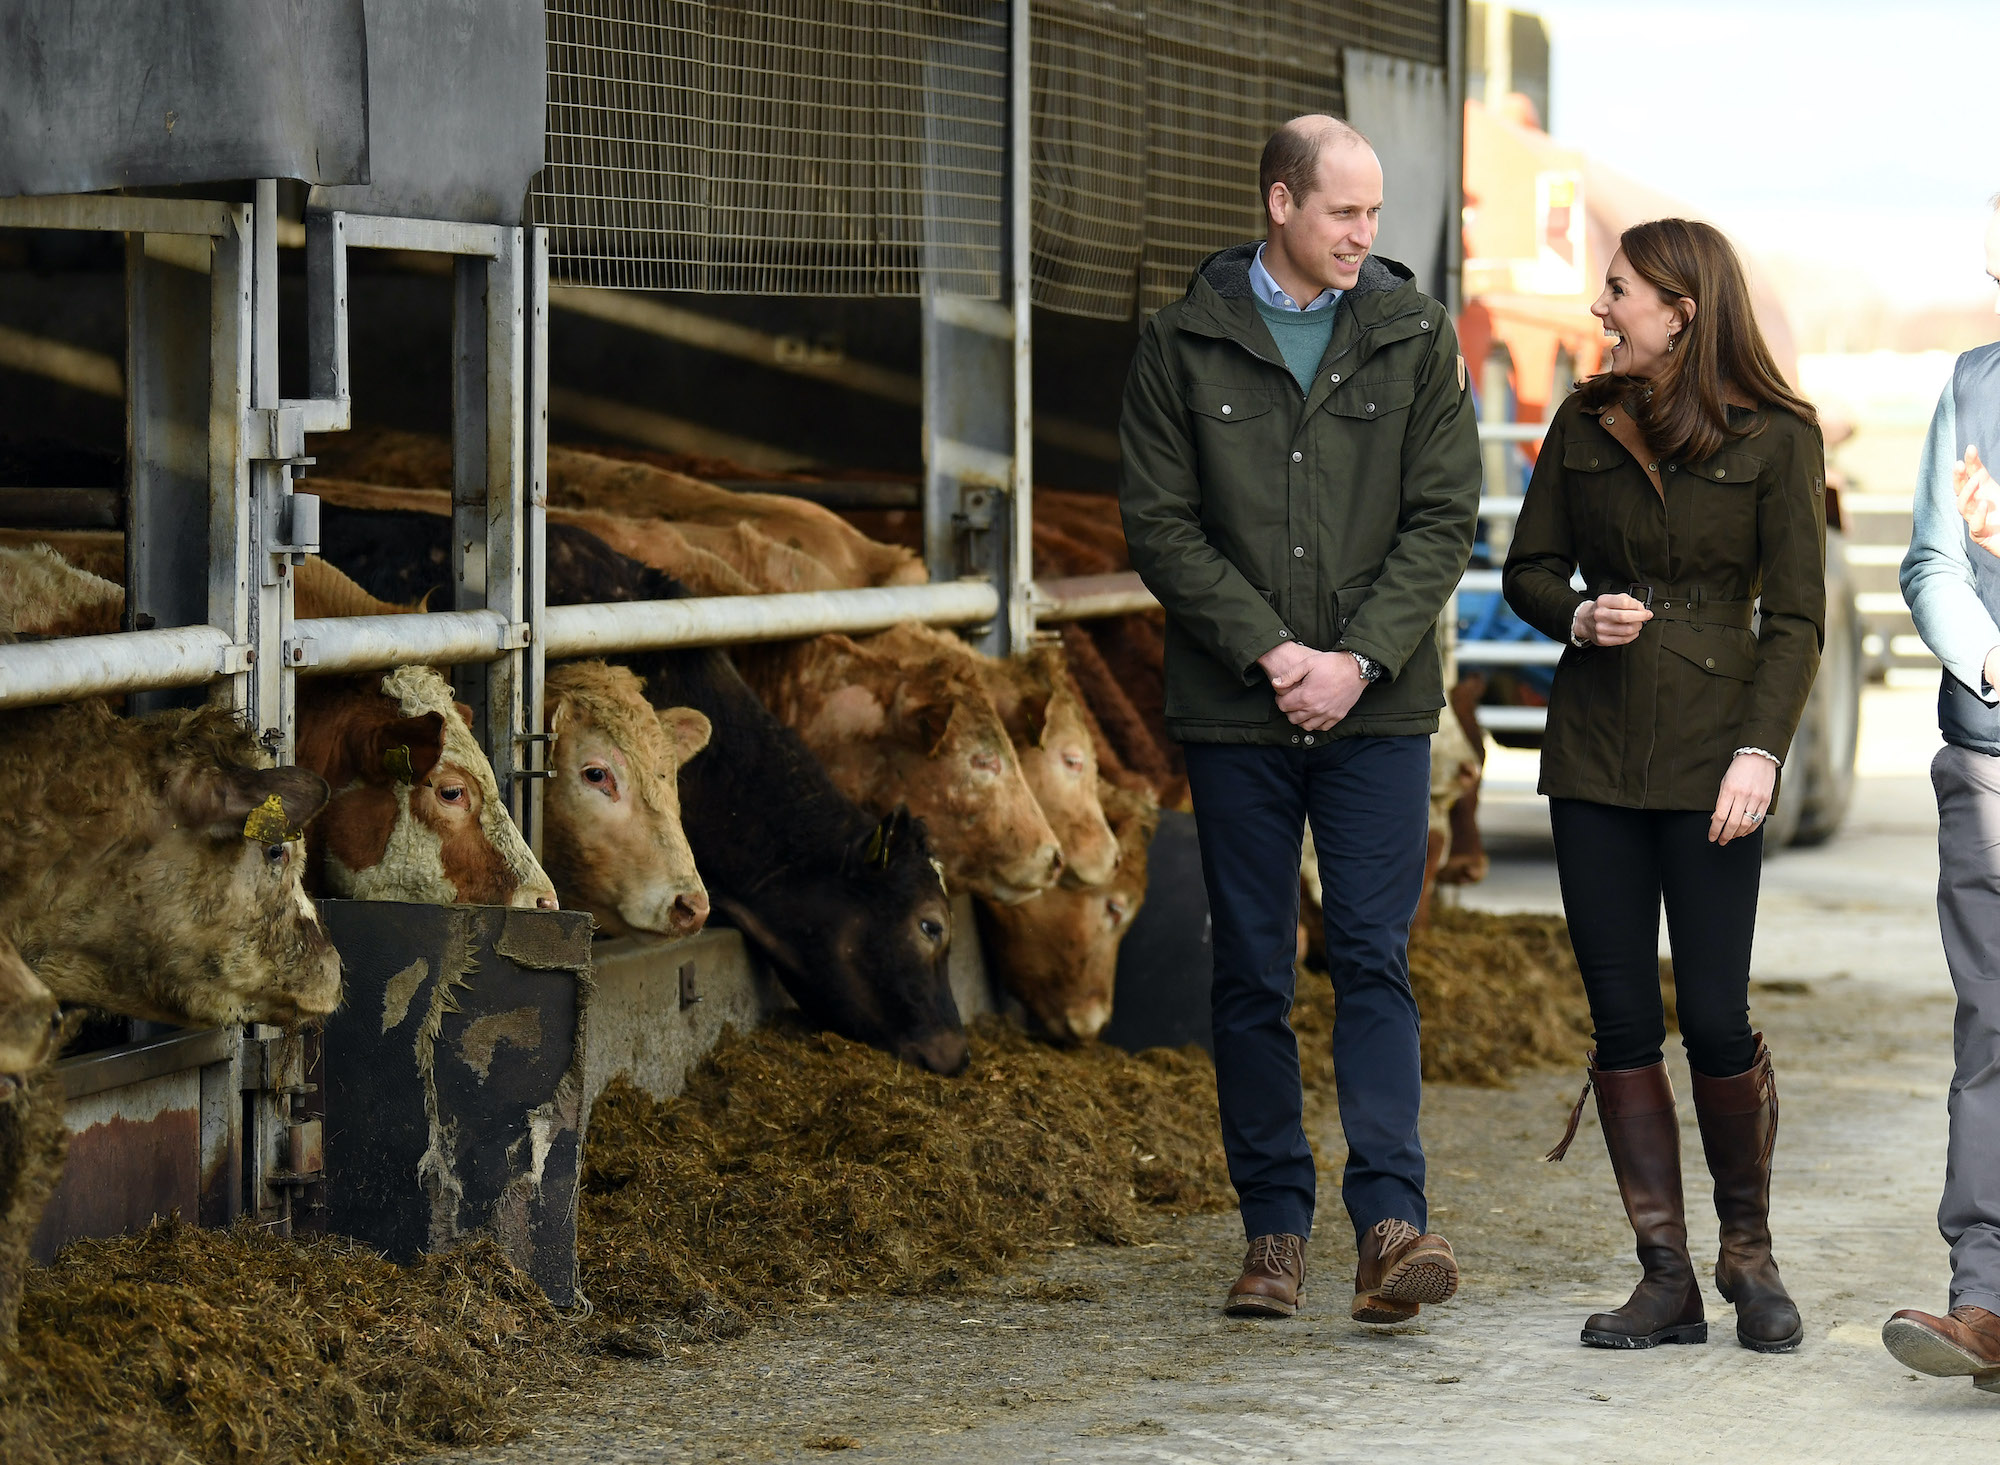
pixel 1267 289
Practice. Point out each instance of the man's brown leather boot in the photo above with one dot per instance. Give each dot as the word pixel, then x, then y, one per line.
pixel 1273 1280
pixel 1398 1269
pixel 1636 1108
pixel 1739 1131
pixel 1964 1341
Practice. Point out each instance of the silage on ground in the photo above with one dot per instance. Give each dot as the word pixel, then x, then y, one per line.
pixel 178 1344
pixel 799 1166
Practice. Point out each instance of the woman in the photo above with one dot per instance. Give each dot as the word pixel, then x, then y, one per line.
pixel 1686 484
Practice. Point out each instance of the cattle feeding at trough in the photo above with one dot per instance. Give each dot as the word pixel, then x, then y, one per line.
pixel 416 813
pixel 1045 719
pixel 850 908
pixel 153 867
pixel 613 840
pixel 1058 953
pixel 899 726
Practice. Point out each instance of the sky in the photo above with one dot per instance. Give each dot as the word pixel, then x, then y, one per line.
pixel 1861 137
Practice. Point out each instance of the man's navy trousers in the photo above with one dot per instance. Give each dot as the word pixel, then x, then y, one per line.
pixel 1369 802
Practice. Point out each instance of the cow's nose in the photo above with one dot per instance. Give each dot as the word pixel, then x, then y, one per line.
pixel 546 903
pixel 689 913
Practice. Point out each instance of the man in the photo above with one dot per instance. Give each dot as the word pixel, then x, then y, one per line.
pixel 1301 476
pixel 1951 579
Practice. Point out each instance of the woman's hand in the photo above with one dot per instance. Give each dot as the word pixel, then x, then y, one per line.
pixel 1745 798
pixel 1609 620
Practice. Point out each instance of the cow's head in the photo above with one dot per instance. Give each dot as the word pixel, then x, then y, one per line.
pixel 866 944
pixel 416 813
pixel 218 898
pixel 30 1020
pixel 612 836
pixel 1045 720
pixel 1058 953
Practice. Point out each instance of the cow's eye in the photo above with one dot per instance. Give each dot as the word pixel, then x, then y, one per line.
pixel 933 930
pixel 1073 762
pixel 274 854
pixel 452 793
pixel 596 774
pixel 986 762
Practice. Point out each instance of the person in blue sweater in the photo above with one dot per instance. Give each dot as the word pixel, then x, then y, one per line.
pixel 1951 579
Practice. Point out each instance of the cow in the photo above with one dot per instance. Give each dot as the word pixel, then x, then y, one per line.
pixel 416 813
pixel 612 836
pixel 592 481
pixel 849 908
pixel 1045 719
pixel 917 729
pixel 153 867
pixel 30 1020
pixel 1058 953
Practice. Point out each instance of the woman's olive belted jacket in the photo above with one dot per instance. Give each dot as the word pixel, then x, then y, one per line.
pixel 1733 542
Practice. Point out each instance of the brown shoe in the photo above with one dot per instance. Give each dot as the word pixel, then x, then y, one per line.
pixel 1273 1280
pixel 1739 1130
pixel 1965 1341
pixel 1398 1269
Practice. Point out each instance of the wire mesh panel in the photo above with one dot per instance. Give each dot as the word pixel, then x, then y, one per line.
pixel 1089 155
pixel 823 148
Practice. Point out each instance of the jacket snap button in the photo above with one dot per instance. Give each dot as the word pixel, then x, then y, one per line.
pixel 1593 462
pixel 1710 663
pixel 1225 409
pixel 1423 325
pixel 1652 467
pixel 1309 740
pixel 1719 473
pixel 1295 737
pixel 1336 376
pixel 1673 467
pixel 1298 551
pixel 1371 406
pixel 1609 420
pixel 1298 457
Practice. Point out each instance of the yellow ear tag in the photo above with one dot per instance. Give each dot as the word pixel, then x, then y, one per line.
pixel 266 824
pixel 397 761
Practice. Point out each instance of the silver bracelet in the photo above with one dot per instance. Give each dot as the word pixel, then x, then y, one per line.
pixel 1759 752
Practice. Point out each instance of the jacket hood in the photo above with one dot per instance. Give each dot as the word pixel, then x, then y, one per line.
pixel 1227 272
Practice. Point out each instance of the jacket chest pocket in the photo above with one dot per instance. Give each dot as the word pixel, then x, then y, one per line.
pixel 1372 401
pixel 1614 511
pixel 1236 430
pixel 1717 513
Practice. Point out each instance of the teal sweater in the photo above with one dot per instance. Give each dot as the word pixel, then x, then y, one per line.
pixel 1301 336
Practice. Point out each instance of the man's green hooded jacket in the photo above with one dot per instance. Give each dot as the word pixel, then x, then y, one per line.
pixel 1341 517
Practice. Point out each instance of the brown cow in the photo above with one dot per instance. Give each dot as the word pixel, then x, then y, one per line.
pixel 1058 953
pixel 612 836
pixel 153 867
pixel 896 730
pixel 1045 719
pixel 29 1020
pixel 416 813
pixel 580 480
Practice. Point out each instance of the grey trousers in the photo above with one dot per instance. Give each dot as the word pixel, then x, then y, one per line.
pixel 1968 795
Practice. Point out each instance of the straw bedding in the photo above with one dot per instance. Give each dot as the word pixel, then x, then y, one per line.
pixel 796 1167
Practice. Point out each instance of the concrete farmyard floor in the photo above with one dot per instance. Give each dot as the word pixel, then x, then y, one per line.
pixel 1850 987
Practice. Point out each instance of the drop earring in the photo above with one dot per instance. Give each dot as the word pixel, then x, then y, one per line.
pixel 1670 344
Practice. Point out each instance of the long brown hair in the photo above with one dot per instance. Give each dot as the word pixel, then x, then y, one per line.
pixel 1684 415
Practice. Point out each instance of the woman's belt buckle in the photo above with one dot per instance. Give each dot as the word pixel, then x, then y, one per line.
pixel 1641 593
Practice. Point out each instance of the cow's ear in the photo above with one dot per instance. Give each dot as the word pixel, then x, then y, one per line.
pixel 268 805
pixel 406 749
pixel 688 730
pixel 752 924
pixel 463 711
pixel 1033 716
pixel 879 847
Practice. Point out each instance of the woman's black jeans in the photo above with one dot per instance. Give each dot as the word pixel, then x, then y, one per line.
pixel 1615 865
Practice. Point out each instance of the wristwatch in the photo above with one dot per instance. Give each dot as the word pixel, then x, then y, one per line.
pixel 1371 670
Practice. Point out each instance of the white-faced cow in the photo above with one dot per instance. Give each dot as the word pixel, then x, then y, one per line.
pixel 612 836
pixel 416 813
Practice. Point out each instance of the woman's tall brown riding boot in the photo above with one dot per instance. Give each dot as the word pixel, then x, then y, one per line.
pixel 1636 1108
pixel 1739 1130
